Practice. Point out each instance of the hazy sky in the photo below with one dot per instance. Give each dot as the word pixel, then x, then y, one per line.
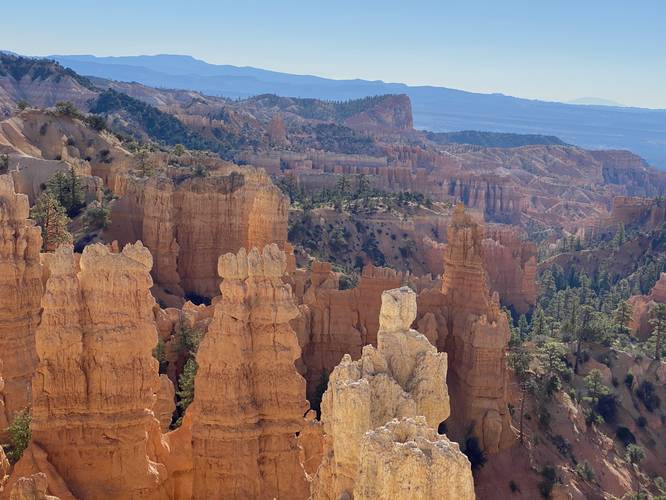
pixel 554 50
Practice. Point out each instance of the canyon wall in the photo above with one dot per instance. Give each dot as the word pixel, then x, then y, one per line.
pixel 249 400
pixel 96 380
pixel 20 296
pixel 642 306
pixel 187 223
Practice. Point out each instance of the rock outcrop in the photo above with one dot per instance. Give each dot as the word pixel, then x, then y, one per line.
pixel 408 460
pixel 249 399
pixel 20 296
pixel 96 380
pixel 404 376
pixel 642 305
pixel 337 322
pixel 511 267
pixel 187 223
pixel 31 488
pixel 165 404
pixel 475 333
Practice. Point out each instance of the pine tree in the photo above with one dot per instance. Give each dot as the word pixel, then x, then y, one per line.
pixel 523 327
pixel 66 187
pixel 658 323
pixel 539 326
pixel 51 217
pixel 622 317
pixel 186 384
pixel 595 386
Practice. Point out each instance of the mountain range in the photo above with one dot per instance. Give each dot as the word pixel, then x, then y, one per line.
pixel 437 109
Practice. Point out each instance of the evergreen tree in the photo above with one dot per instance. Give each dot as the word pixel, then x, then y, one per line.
pixel 622 317
pixel 595 386
pixel 51 217
pixel 539 326
pixel 523 327
pixel 519 361
pixel 658 323
pixel 66 187
pixel 186 384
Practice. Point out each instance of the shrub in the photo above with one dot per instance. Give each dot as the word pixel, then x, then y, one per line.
pixel 97 217
pixel 477 457
pixel 629 379
pixel 625 436
pixel 641 422
pixel 549 476
pixel 585 471
pixel 19 435
pixel 648 396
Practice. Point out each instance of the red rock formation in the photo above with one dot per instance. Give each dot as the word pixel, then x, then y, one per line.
pixel 340 322
pixel 188 223
pixel 475 333
pixel 20 296
pixel 642 305
pixel 97 379
pixel 31 488
pixel 249 399
pixel 511 267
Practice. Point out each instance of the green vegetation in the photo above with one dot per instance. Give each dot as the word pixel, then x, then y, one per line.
pixel 67 189
pixel 493 139
pixel 164 127
pixel 39 69
pixel 19 435
pixel 52 218
pixel 4 163
pixel 97 216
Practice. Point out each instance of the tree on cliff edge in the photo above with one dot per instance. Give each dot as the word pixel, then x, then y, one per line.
pixel 51 217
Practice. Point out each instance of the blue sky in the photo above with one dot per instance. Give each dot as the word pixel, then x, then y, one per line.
pixel 554 50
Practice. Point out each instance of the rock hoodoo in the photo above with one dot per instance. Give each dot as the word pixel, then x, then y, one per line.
pixel 407 459
pixel 404 376
pixel 475 333
pixel 249 399
pixel 96 380
pixel 20 296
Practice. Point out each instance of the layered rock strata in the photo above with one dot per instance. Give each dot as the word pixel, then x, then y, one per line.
pixel 249 399
pixel 408 460
pixel 187 223
pixel 96 380
pixel 475 333
pixel 337 322
pixel 404 376
pixel 20 296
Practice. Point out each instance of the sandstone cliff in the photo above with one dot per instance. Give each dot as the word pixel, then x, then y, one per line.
pixel 187 223
pixel 96 380
pixel 404 376
pixel 20 296
pixel 249 399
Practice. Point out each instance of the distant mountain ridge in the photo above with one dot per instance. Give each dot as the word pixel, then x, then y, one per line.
pixel 437 109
